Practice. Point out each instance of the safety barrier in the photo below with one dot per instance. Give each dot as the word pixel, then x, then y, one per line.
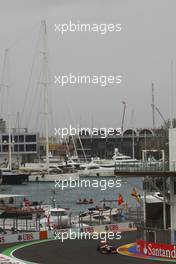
pixel 49 234
pixel 20 237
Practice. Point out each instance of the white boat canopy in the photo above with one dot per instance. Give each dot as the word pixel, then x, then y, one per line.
pixel 4 196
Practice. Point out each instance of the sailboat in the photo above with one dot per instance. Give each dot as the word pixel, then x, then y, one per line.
pixel 7 175
pixel 46 173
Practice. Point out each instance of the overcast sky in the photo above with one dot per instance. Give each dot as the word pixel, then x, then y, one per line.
pixel 142 53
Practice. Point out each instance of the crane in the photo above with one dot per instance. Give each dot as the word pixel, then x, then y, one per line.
pixel 157 109
pixel 123 116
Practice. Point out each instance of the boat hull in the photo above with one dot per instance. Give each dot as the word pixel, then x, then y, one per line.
pixel 11 178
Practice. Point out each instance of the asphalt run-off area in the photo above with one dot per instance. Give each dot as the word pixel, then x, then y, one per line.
pixel 78 252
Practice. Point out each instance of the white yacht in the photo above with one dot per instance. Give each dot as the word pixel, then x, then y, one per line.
pixel 55 217
pixel 98 215
pixel 105 167
pixel 155 197
pixel 89 166
pixel 117 159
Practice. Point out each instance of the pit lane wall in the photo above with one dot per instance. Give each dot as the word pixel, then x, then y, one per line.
pixel 49 234
pixel 156 250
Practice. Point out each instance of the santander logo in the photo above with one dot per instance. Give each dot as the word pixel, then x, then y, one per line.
pixel 157 250
pixel 145 250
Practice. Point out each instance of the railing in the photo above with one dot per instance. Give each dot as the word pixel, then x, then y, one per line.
pixel 154 235
pixel 135 214
pixel 142 167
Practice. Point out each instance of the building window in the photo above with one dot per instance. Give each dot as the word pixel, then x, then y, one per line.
pixel 21 138
pixel 30 138
pixel 21 148
pixel 5 148
pixel 16 148
pixel 5 138
pixel 31 147
pixel 15 138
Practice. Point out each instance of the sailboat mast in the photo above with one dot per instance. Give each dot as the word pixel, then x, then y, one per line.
pixel 45 86
pixel 10 146
pixel 153 106
pixel 4 84
pixel 133 148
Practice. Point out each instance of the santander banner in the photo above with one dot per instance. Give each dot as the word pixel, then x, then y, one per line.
pixel 156 250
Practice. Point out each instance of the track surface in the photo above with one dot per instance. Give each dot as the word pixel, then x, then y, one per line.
pixel 77 252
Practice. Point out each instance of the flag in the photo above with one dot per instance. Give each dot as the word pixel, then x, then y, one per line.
pixel 120 199
pixel 136 195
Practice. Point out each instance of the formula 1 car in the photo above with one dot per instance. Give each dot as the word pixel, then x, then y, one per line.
pixel 104 248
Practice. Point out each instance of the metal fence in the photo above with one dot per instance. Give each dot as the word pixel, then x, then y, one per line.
pixel 142 167
pixel 154 235
pixel 37 223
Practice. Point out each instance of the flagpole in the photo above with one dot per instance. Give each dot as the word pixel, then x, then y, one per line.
pixel 164 204
pixel 144 215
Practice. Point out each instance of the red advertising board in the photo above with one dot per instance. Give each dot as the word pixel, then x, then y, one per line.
pixel 88 229
pixel 156 250
pixel 10 238
pixel 112 228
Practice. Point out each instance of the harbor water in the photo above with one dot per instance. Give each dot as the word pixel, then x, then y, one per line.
pixel 67 198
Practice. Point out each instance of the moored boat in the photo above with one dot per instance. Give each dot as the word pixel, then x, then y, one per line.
pixel 85 201
pixel 10 177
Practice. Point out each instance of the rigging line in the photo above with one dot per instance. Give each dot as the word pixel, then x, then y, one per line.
pixel 52 68
pixel 41 90
pixel 34 102
pixel 33 105
pixel 3 85
pixel 51 103
pixel 51 93
pixel 73 140
pixel 160 114
pixel 20 39
pixel 6 82
pixel 30 76
pixel 15 122
pixel 71 112
pixel 40 125
pixel 36 123
pixel 37 120
pixel 50 99
pixel 35 94
pixel 67 146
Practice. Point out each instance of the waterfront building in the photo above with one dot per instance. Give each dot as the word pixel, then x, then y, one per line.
pixel 131 142
pixel 24 145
